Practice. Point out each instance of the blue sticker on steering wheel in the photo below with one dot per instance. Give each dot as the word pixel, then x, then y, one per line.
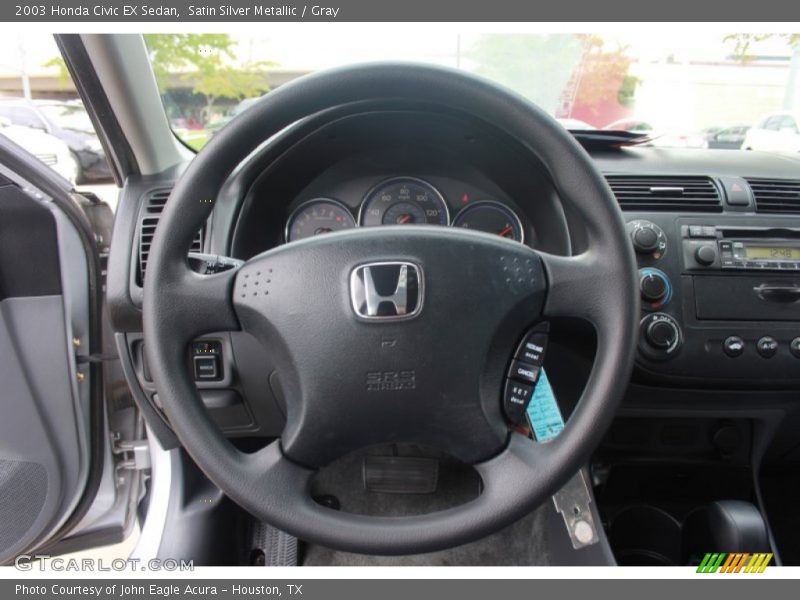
pixel 543 412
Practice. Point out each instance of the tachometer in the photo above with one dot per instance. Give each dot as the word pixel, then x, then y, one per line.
pixel 491 217
pixel 404 201
pixel 318 216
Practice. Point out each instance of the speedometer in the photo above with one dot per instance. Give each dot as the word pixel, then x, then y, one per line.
pixel 318 216
pixel 404 201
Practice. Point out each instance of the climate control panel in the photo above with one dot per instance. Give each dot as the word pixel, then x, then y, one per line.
pixel 719 302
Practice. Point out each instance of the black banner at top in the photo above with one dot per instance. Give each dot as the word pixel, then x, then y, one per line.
pixel 176 11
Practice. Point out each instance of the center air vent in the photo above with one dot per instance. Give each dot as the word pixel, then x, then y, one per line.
pixel 671 194
pixel 776 196
pixel 154 206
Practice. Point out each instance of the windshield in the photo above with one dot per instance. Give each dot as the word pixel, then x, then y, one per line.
pixel 677 91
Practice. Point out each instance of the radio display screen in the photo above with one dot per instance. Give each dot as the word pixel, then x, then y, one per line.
pixel 772 252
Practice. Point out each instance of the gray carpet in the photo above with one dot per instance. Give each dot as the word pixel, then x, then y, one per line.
pixel 523 543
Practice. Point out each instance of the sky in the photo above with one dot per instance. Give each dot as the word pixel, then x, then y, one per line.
pixel 294 48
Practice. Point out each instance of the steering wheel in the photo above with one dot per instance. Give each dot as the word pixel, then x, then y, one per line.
pixel 442 361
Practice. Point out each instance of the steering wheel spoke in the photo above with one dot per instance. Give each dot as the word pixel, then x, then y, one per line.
pixel 578 287
pixel 200 304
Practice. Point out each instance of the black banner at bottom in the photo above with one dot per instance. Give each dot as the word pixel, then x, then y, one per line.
pixel 706 586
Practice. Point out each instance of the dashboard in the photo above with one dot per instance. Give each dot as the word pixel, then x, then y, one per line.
pixel 716 235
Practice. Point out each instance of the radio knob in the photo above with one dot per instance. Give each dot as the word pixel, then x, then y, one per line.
pixel 705 255
pixel 645 239
pixel 661 334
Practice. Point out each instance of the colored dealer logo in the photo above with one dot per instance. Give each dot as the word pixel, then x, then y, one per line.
pixel 734 563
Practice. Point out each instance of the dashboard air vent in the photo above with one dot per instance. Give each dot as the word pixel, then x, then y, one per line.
pixel 776 196
pixel 154 206
pixel 673 194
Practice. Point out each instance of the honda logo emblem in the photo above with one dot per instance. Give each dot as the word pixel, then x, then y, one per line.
pixel 387 290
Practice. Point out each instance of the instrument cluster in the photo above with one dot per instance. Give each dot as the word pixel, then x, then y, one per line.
pixel 403 201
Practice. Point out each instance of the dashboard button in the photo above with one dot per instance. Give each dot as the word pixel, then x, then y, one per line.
pixel 521 371
pixel 515 400
pixel 695 231
pixel 709 231
pixel 767 346
pixel 794 347
pixel 733 346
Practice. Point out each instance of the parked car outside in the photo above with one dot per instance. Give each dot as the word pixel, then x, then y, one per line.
pixel 47 148
pixel 726 138
pixel 70 123
pixel 777 132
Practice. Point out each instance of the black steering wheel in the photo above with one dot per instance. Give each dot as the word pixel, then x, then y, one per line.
pixel 473 293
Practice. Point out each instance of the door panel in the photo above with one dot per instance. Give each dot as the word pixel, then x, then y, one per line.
pixel 44 414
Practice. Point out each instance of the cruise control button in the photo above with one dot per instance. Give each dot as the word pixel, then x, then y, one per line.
pixel 767 346
pixel 515 400
pixel 794 347
pixel 523 371
pixel 733 346
pixel 532 349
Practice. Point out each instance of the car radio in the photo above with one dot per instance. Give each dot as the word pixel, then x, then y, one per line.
pixel 741 249
pixel 759 254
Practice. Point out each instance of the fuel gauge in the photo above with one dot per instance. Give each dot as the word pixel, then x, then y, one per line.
pixel 491 217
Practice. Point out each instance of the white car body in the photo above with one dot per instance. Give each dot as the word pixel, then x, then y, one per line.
pixel 777 132
pixel 48 149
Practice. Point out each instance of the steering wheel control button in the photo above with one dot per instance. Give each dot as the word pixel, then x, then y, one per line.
pixel 733 346
pixel 705 255
pixel 532 349
pixel 655 288
pixel 516 397
pixel 521 371
pixel 206 368
pixel 767 346
pixel 660 336
pixel 206 360
pixel 533 346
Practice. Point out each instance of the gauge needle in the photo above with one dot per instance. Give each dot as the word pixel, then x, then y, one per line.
pixel 403 219
pixel 506 231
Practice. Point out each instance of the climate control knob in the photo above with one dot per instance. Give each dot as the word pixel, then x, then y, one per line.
pixel 660 336
pixel 654 287
pixel 645 239
pixel 648 239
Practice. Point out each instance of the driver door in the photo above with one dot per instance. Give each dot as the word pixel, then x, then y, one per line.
pixel 60 474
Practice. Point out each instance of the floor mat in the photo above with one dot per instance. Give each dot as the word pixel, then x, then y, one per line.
pixel 523 543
